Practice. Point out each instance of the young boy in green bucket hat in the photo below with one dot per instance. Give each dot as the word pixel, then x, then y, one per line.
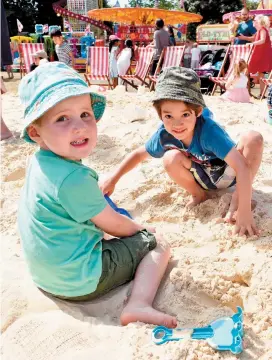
pixel 63 214
pixel 197 153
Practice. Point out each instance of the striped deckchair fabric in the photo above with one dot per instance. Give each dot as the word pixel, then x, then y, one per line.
pixel 171 56
pixel 142 68
pixel 26 59
pixel 97 68
pixel 235 53
pixel 267 83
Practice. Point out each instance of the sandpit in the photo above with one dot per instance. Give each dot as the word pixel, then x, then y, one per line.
pixel 210 272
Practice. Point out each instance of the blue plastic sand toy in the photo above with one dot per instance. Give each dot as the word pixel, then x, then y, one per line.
pixel 222 334
pixel 116 208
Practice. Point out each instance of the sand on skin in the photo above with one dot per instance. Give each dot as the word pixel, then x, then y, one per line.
pixel 210 272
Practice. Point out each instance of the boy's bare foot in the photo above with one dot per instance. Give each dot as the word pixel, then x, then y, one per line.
pixel 145 313
pixel 196 200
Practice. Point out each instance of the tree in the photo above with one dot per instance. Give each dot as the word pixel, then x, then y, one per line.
pixel 163 4
pixel 211 10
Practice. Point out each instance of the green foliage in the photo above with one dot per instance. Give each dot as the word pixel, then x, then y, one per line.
pixel 252 5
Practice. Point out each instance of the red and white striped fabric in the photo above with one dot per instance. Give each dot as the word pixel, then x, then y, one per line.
pixel 98 60
pixel 235 52
pixel 142 66
pixel 27 50
pixel 267 83
pixel 172 57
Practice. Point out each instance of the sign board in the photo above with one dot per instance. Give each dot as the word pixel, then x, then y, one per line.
pixel 135 33
pixel 218 33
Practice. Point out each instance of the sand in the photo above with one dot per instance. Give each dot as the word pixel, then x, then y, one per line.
pixel 210 272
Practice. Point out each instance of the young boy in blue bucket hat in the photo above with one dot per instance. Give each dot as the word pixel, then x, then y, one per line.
pixel 197 153
pixel 63 214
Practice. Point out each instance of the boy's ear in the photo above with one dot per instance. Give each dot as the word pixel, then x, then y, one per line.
pixel 33 133
pixel 199 111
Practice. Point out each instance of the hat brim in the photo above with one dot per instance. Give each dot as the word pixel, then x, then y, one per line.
pixel 48 101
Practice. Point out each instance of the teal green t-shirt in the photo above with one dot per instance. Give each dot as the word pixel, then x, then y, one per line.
pixel 62 246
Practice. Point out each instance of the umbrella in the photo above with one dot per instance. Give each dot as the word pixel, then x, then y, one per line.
pixel 143 16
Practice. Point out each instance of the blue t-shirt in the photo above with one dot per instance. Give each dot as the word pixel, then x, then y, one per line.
pixel 209 147
pixel 246 29
pixel 62 246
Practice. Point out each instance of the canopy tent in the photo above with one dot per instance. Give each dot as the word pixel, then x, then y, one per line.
pixel 264 8
pixel 143 16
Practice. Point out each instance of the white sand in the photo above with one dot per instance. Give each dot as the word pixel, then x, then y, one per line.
pixel 210 272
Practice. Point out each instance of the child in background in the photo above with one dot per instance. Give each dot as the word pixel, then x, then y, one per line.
pixel 269 104
pixel 124 59
pixel 195 52
pixel 198 154
pixel 237 85
pixel 113 49
pixel 233 26
pixel 63 50
pixel 63 215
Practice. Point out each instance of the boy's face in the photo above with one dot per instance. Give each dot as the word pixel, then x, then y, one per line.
pixel 58 40
pixel 68 129
pixel 179 120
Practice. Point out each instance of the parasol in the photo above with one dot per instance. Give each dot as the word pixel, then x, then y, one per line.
pixel 143 16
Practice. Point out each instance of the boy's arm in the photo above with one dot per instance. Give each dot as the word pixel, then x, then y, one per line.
pixel 130 162
pixel 244 219
pixel 115 224
pixel 72 57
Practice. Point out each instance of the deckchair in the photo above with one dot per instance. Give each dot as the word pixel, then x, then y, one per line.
pixel 267 82
pixel 170 56
pixel 142 68
pixel 26 59
pixel 97 66
pixel 235 53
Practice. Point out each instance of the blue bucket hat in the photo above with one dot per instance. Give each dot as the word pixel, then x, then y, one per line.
pixel 49 84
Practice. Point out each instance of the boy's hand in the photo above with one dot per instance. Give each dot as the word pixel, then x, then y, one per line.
pixel 245 224
pixel 107 185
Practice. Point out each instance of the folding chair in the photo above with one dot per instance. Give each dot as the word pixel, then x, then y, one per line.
pixel 267 82
pixel 26 59
pixel 97 66
pixel 142 68
pixel 170 56
pixel 235 52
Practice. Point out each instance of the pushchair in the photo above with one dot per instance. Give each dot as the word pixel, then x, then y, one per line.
pixel 210 65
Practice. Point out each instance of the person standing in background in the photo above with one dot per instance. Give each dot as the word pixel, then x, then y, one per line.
pixel 6 57
pixel 195 52
pixel 187 54
pixel 245 28
pixel 161 40
pixel 172 35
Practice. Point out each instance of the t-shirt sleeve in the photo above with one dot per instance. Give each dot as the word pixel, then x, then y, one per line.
pixel 218 141
pixel 80 195
pixel 154 147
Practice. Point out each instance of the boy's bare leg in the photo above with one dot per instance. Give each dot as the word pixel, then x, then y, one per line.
pixel 177 166
pixel 146 283
pixel 251 147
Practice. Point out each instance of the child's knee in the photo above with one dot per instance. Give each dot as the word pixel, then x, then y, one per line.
pixel 255 139
pixel 162 244
pixel 175 158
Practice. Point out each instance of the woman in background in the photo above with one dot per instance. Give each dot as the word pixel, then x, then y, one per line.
pixel 124 60
pixel 172 35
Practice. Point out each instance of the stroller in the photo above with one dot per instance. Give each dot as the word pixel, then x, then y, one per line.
pixel 210 65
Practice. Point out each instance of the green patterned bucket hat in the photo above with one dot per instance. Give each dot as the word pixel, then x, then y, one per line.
pixel 48 85
pixel 179 83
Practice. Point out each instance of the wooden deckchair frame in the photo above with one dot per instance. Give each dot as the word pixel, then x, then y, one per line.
pixel 230 47
pixel 160 65
pixel 128 79
pixel 88 74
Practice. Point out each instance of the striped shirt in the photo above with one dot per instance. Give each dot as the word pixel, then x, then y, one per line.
pixel 63 51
